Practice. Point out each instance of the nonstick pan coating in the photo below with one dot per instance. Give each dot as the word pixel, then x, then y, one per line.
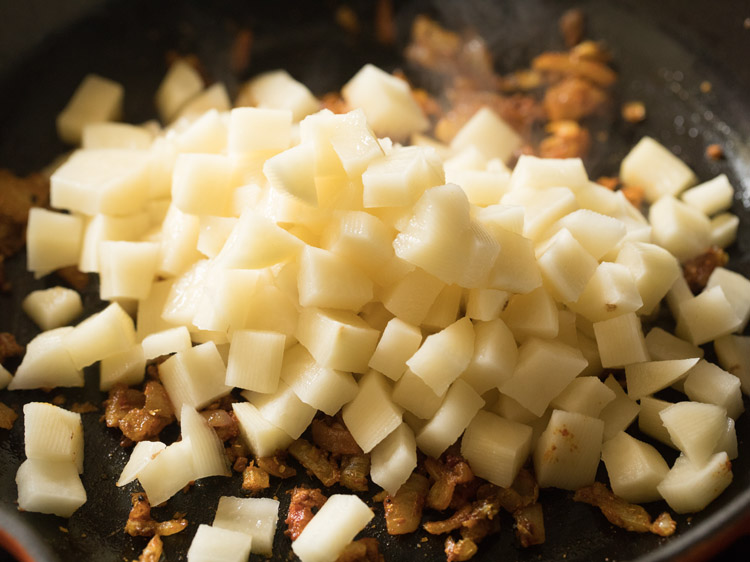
pixel 661 59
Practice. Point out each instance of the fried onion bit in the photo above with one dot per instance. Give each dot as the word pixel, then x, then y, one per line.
pixel 630 517
pixel 304 504
pixel 362 550
pixel 153 550
pixel 316 461
pixel 403 512
pixel 140 523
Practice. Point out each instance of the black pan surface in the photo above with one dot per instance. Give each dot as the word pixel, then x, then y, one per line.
pixel 661 59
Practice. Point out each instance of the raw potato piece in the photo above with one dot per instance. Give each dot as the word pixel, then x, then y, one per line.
pixel 706 317
pixel 214 544
pixel 127 367
pixel 531 172
pixel 689 488
pixel 371 416
pixel 53 240
pixel 261 437
pixel 256 517
pixel 635 468
pixel 486 131
pixel 567 453
pixel 283 409
pixel 711 384
pixel 54 307
pixel 401 177
pixel 584 395
pixel 201 184
pixel 648 377
pixel 566 266
pixel 96 99
pixel 736 290
pixel 734 356
pixel 394 459
pixel 397 344
pixel 415 396
pixel 127 269
pixel 654 168
pixel 496 448
pixel 181 83
pixel 47 364
pixel 103 334
pixel 695 428
pixel 684 231
pixel 207 448
pixel 255 360
pixel 332 528
pixel 142 454
pixel 168 473
pixel 165 342
pixel 278 90
pixel 495 356
pixel 618 414
pixel 252 128
pixel 53 434
pixel 620 341
pixel 710 197
pixel 326 280
pixel 49 487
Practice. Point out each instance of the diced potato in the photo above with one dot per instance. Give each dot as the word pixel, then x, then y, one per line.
pixel 255 360
pixel 283 408
pixel 509 409
pixel 195 376
pixel 634 468
pixel 733 353
pixel 213 97
pixel 706 316
pixel 488 133
pixel 126 367
pixel 566 266
pixel 332 528
pixel 443 356
pixel 115 135
pixel 201 184
pixel 179 237
pixel 207 448
pixel 166 342
pixel 679 228
pixel 654 168
pixel 132 227
pixel 256 517
pixel 327 280
pixel 584 395
pixel 662 345
pixel 100 335
pixel 532 172
pixel 648 377
pixel 711 384
pixel 620 412
pixel 371 416
pixel 542 208
pixel 181 83
pixel 225 299
pixel 142 454
pixel 654 269
pixel 710 197
pixel 567 453
pixel 49 487
pixel 496 448
pixel 411 297
pixel 321 387
pixel 387 102
pixel 207 134
pixel 213 234
pixel 53 240
pixel 688 487
pixel 724 228
pixel 394 459
pixel 96 99
pixel 543 370
pixel 354 143
pixel 53 434
pixel 113 181
pixel 597 233
pixel 494 358
pixel 337 339
pixel 214 544
pixel 168 473
pixel 261 436
pixel 532 314
pixel 252 128
pixel 361 239
pixel 416 396
pixel 459 406
pixel 486 304
pixel 397 344
pixel 127 269
pixel 620 341
pixel 649 419
pixel 737 291
pixel 278 90
pixel 293 172
pixel 498 218
pixel 47 363
pixel 52 308
pixel 695 428
pixel 445 310
pixel 610 291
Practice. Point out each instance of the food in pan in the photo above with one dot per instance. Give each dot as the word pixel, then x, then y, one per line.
pixel 374 301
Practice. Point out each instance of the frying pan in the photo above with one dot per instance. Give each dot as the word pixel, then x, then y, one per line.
pixel 663 51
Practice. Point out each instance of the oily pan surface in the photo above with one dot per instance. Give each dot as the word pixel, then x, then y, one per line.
pixel 127 42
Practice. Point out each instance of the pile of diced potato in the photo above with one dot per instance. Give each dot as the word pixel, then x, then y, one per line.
pixel 324 262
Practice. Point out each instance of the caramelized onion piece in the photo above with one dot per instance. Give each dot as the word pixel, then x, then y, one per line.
pixel 530 525
pixel 276 466
pixel 331 435
pixel 458 551
pixel 140 523
pixel 362 550
pixel 316 461
pixel 403 512
pixel 254 479
pixel 153 550
pixel 301 506
pixel 354 472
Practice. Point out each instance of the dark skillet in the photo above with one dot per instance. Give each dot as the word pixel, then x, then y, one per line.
pixel 663 53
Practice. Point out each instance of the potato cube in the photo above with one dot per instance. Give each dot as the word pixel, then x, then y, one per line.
pixel 127 367
pixel 706 316
pixel 584 395
pixel 411 297
pixel 566 266
pixel 100 335
pixel 327 280
pixel 293 172
pixel 278 90
pixel 214 544
pixel 648 377
pixel 256 517
pixel 394 459
pixel 371 416
pixel 654 269
pixel 169 472
pixel 47 363
pixel 653 167
pixel 255 360
pixel 689 487
pixel 201 184
pixel 620 412
pixel 53 434
pixel 532 314
pixel 695 428
pixel 709 383
pixel 252 128
pixel 397 344
pixel 261 436
pixel 96 99
pixel 634 468
pixel 494 358
pixel 737 291
pixel 531 172
pixel 620 340
pixel 489 133
pixel 415 396
pixel 142 454
pixel 165 342
pixel 127 269
pixel 49 487
pixel 53 307
pixel 710 197
pixel 181 83
pixel 53 240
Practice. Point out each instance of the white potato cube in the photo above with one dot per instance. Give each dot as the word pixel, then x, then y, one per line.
pixel 649 419
pixel 598 233
pixel 166 342
pixel 47 363
pixel 544 368
pixel 724 228
pixel 255 360
pixel 261 436
pixel 115 135
pixel 532 314
pixel 737 291
pixel 567 453
pixel 278 90
pixel 113 181
pixel 620 412
pixel 734 356
pixel 100 335
pixel 206 134
pixel 208 450
pixel 387 101
pixel 494 358
pixel 566 266
pixel 354 143
pixel 49 487
pixel 648 377
pixel 711 384
pixel 321 387
pixel 542 208
pixel 688 487
pixel 293 172
pixel 411 297
pixel 256 517
pixel 460 405
pixel 201 184
pixel 372 415
pixel 397 344
pixel 610 291
pixel 486 304
pixel 489 133
pixel 328 281
pixel 531 172
pixel 96 99
pixel 695 428
pixel 142 454
pixel 53 240
pixel 181 83
pixel 662 345
pixel 214 97
pixel 195 376
pixel 394 459
pixel 283 409
pixel 179 237
pixel 127 367
pixel 127 269
pixel 706 316
pixel 214 544
pixel 653 167
pixel 213 234
pixel 52 433
pixel 252 128
pixel 654 269
pixel 53 307
pixel 332 528
pixel 416 396
pixel 496 448
pixel 584 395
pixel 710 197
pixel 634 468
pixel 337 339
pixel 681 229
pixel 168 473
pixel 443 356
pixel 620 340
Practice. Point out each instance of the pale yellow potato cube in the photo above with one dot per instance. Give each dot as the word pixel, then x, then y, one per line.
pixel 620 412
pixel 100 335
pixel 707 316
pixel 53 434
pixel 733 353
pixel 179 238
pixel 394 459
pixel 127 367
pixel 647 377
pixel 127 269
pixel 415 396
pixel 634 468
pixel 620 341
pixel 654 269
pixel 695 428
pixel 542 208
pixel 116 135
pixel 611 291
pixel 445 310
pixel 53 307
pixel 201 184
pixel 256 517
pixel 214 544
pixel 326 280
pixel 113 181
pixel 598 233
pixel 489 133
pixel 411 297
pixel 398 343
pixel 531 172
pixel 53 240
pixel 710 197
pixel 261 437
pixel 649 419
pixel 283 409
pixel 653 167
pixel 96 99
pixel 371 416
pixel 584 395
pixel 255 360
pixel 181 83
pixel 47 363
pixel 690 487
pixel 401 177
pixel 165 342
pixel 102 227
pixel 213 234
pixel 169 472
pixel 724 228
pixel 49 487
pixel 566 266
pixel 207 134
pixel 293 172
pixel 533 314
pixel 736 289
pixel 214 97
pixel 354 143
pixel 494 358
pixel 278 90
pixel 252 128
pixel 681 229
